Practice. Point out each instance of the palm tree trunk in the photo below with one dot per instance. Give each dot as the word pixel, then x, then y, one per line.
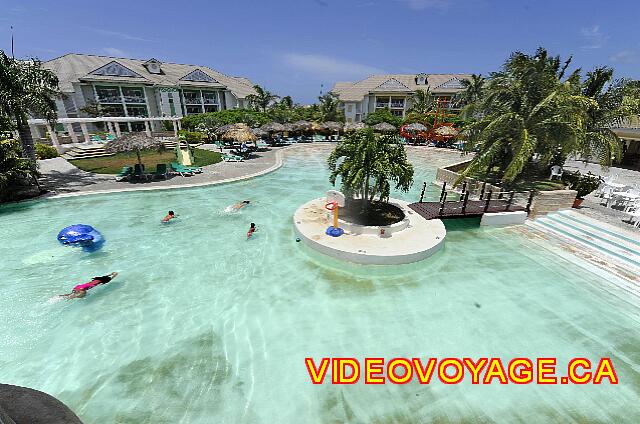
pixel 26 139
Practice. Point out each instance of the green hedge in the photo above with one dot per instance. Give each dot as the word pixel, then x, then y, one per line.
pixel 44 151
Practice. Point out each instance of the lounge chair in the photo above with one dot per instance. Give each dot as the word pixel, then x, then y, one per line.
pixel 96 139
pixel 228 157
pixel 139 173
pixel 161 170
pixel 124 173
pixel 181 169
pixel 110 137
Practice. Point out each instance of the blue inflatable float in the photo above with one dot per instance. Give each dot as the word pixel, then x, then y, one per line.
pixel 81 235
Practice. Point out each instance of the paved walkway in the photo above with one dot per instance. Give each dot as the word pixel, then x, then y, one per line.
pixel 591 206
pixel 63 179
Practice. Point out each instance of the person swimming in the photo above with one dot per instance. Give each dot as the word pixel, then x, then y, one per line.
pixel 252 230
pixel 237 206
pixel 169 217
pixel 81 290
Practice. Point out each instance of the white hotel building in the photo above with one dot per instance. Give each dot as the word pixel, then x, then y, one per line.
pixel 142 88
pixel 394 92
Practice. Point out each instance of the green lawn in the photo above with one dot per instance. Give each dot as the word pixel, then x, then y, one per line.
pixel 113 164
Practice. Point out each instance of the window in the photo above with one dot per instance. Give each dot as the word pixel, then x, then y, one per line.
pixel 108 94
pixel 382 102
pixel 397 102
pixel 349 108
pixel 193 109
pixel 136 110
pixel 210 97
pixel 397 112
pixel 133 95
pixel 210 108
pixel 113 110
pixel 191 97
pixel 172 106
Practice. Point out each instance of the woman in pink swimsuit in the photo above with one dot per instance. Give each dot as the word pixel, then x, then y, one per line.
pixel 80 290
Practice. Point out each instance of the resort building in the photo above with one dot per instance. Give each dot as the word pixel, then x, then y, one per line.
pixel 119 87
pixel 394 92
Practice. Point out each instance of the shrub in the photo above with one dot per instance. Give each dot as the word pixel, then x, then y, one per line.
pixel 583 184
pixel 193 136
pixel 383 115
pixel 44 151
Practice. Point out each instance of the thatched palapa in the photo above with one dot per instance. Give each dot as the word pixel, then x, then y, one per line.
pixel 134 142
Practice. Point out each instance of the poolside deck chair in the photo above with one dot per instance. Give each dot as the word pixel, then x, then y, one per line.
pixel 139 173
pixel 96 139
pixel 181 169
pixel 228 157
pixel 110 137
pixel 124 173
pixel 161 170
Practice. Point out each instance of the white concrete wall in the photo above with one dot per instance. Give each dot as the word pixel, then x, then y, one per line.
pixel 503 218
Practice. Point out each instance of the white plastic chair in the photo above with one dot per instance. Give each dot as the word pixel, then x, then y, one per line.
pixel 634 212
pixel 556 171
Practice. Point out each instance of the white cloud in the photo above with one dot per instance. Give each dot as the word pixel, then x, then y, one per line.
pixel 426 4
pixel 329 67
pixel 112 51
pixel 624 56
pixel 593 37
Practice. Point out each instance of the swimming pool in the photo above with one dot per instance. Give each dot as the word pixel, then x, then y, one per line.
pixel 203 326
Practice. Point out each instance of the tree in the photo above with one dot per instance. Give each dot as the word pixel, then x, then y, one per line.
pixel 94 110
pixel 473 89
pixel 526 108
pixel 616 101
pixel 422 102
pixel 286 102
pixel 383 115
pixel 368 163
pixel 262 99
pixel 14 168
pixel 328 107
pixel 26 89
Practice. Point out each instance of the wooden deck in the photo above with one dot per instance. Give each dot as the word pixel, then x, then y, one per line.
pixel 431 210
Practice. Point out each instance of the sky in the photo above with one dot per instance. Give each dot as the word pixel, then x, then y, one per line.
pixel 300 47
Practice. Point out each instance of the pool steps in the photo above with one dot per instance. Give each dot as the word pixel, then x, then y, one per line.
pixel 592 234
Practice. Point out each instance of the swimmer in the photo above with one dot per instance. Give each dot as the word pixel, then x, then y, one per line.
pixel 80 290
pixel 169 217
pixel 239 206
pixel 252 230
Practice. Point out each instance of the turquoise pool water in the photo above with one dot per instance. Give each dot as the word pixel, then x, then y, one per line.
pixel 203 326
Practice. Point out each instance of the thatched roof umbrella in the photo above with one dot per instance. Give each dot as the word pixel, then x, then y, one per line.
pixel 259 132
pixel 331 126
pixel 289 127
pixel 354 126
pixel 273 127
pixel 223 129
pixel 316 126
pixel 303 125
pixel 384 127
pixel 134 142
pixel 446 131
pixel 416 127
pixel 241 133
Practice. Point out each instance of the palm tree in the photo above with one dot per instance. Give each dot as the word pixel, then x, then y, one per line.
pixel 616 101
pixel 526 108
pixel 262 99
pixel 328 107
pixel 473 89
pixel 370 163
pixel 26 89
pixel 422 101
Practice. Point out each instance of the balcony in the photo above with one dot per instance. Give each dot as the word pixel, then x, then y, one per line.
pixel 397 105
pixel 109 99
pixel 190 100
pixel 134 99
pixel 381 105
pixel 210 101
